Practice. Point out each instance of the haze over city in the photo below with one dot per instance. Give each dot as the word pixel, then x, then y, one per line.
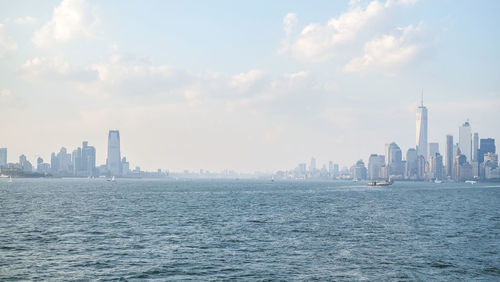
pixel 274 84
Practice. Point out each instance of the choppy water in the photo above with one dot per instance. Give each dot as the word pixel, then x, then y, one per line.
pixel 248 230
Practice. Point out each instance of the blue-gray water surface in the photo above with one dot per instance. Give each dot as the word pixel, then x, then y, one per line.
pixel 63 229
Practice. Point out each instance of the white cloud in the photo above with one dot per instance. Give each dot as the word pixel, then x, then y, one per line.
pixel 7 44
pixel 6 98
pixel 25 20
pixel 289 25
pixel 317 42
pixel 42 67
pixel 5 93
pixel 247 79
pixel 72 19
pixel 388 52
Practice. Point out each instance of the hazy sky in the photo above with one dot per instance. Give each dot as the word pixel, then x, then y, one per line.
pixel 254 85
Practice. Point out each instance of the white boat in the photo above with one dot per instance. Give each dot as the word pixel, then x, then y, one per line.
pixel 437 181
pixel 10 179
pixel 4 176
pixel 470 181
pixel 112 179
pixel 380 183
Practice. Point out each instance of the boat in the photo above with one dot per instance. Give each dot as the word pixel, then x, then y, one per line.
pixel 10 179
pixel 4 176
pixel 470 181
pixel 112 179
pixel 380 183
pixel 437 181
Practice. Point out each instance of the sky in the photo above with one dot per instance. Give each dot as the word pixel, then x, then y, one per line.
pixel 244 85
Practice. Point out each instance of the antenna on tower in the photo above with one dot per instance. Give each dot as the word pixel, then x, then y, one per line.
pixel 422 98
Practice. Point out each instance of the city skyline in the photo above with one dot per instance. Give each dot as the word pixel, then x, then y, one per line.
pixel 260 95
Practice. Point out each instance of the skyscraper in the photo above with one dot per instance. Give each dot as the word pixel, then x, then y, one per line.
pixel 475 147
pixel 3 157
pixel 450 154
pixel 411 163
pixel 88 159
pixel 486 146
pixel 113 160
pixel 312 167
pixel 465 141
pixel 433 149
pixel 375 163
pixel 394 160
pixel 422 130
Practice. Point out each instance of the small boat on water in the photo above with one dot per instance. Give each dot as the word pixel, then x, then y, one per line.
pixel 10 179
pixel 470 181
pixel 437 181
pixel 112 179
pixel 380 183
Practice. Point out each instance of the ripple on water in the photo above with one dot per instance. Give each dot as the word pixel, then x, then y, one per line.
pixel 247 230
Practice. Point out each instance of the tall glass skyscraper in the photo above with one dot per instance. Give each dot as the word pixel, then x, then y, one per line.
pixel 113 161
pixel 450 155
pixel 465 141
pixel 422 130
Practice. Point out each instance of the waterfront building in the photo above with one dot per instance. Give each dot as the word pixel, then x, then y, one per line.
pixel 125 167
pixel 437 166
pixel 411 170
pixel 88 166
pixel 3 157
pixel 63 163
pixel 375 163
pixel 487 145
pixel 358 170
pixel 421 167
pixel 312 167
pixel 491 159
pixel 449 156
pixel 76 157
pixel 475 147
pixel 24 164
pixel 394 161
pixel 433 149
pixel 113 161
pixel 301 171
pixel 465 140
pixel 42 167
pixel 53 163
pixel 422 130
pixel 462 170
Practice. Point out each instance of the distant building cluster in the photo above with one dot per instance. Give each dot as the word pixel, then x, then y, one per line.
pixel 81 162
pixel 471 158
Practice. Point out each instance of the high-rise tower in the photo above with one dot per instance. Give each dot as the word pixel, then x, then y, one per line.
pixel 465 141
pixel 113 161
pixel 450 156
pixel 422 129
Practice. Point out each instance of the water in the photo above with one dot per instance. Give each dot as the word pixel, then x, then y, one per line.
pixel 53 229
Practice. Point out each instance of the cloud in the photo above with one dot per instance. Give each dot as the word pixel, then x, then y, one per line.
pixel 289 25
pixel 7 44
pixel 54 68
pixel 72 19
pixel 245 80
pixel 7 99
pixel 25 20
pixel 319 43
pixel 43 67
pixel 388 52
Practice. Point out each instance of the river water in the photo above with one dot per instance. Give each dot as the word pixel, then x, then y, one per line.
pixel 64 229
